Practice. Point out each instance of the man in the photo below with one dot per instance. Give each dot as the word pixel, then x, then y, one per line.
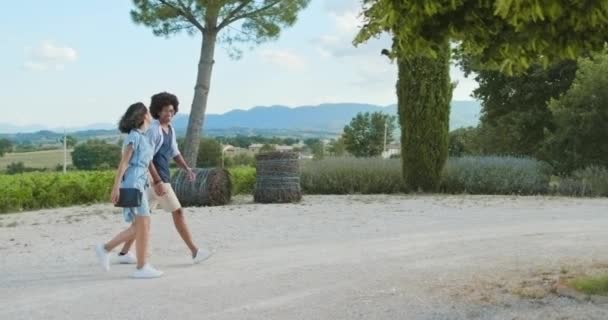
pixel 162 137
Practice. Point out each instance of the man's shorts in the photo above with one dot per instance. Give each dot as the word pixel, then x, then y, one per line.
pixel 167 202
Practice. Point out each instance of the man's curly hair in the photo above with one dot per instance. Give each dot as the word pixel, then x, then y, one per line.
pixel 161 100
pixel 133 118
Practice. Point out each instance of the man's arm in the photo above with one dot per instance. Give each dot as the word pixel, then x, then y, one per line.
pixel 181 162
pixel 177 157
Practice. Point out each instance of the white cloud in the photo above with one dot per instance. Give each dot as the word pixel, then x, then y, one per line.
pixel 373 71
pixel 347 22
pixel 49 56
pixel 464 86
pixel 346 19
pixel 283 58
pixel 338 6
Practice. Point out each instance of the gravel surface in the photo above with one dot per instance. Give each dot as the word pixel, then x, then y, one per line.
pixel 329 257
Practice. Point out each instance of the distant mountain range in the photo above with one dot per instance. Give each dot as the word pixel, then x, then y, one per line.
pixel 324 119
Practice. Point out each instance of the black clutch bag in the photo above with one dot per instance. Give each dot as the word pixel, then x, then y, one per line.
pixel 129 198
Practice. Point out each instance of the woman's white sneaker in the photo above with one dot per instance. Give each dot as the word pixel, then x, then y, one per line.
pixel 202 254
pixel 146 272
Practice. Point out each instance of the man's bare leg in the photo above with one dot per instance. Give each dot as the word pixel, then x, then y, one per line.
pixel 182 228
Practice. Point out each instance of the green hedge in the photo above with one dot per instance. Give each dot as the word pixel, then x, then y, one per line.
pixel 352 175
pixel 243 179
pixel 474 175
pixel 495 175
pixel 589 182
pixel 37 190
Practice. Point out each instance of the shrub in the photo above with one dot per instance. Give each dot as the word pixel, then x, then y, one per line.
pixel 38 190
pixel 241 159
pixel 96 155
pixel 352 175
pixel 243 179
pixel 495 175
pixel 589 182
pixel 19 167
pixel 209 154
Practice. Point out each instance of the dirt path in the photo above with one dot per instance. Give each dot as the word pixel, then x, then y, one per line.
pixel 330 257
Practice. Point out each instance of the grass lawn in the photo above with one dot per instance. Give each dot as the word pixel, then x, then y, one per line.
pixel 591 285
pixel 36 159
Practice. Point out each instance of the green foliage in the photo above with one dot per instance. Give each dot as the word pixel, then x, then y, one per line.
pixel 475 175
pixel 337 148
pixel 424 94
pixel 351 176
pixel 464 141
pixel 242 159
pixel 317 148
pixel 243 179
pixel 15 167
pixel 267 148
pixel 501 35
pixel 96 155
pixel 5 146
pixel 581 117
pixel 515 117
pixel 59 168
pixel 589 182
pixel 364 136
pixel 595 285
pixel 257 21
pixel 71 141
pixel 30 191
pixel 495 175
pixel 209 154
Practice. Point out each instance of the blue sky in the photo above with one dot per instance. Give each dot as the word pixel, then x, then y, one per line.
pixel 73 62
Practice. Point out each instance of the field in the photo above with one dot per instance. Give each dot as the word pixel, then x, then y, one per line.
pixel 37 159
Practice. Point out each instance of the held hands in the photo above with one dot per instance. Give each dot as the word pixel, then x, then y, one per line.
pixel 159 188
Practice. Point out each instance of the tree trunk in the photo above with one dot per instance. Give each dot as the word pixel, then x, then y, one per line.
pixel 424 93
pixel 201 95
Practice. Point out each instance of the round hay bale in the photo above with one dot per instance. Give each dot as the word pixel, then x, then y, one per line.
pixel 212 187
pixel 277 178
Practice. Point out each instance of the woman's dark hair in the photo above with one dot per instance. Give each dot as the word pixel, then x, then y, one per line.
pixel 161 100
pixel 133 118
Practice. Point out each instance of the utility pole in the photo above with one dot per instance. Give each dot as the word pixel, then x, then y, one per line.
pixel 385 134
pixel 65 151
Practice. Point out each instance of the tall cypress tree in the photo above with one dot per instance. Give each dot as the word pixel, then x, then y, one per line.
pixel 424 92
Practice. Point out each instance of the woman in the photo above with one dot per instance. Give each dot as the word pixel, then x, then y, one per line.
pixel 133 173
